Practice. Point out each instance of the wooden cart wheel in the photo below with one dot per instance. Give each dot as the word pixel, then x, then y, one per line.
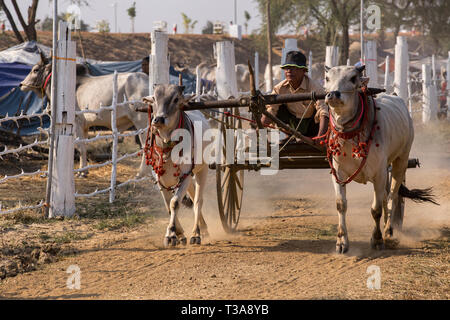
pixel 230 181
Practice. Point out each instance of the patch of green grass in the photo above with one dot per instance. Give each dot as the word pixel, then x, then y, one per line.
pixel 122 213
pixel 43 236
pixel 25 217
pixel 323 232
pixel 68 237
pixel 327 231
pixel 128 221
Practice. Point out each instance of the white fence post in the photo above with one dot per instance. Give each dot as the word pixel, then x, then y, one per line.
pixel 62 199
pixel 429 95
pixel 387 77
pixel 267 78
pixel 310 63
pixel 409 94
pixel 225 72
pixel 448 80
pixel 289 45
pixel 198 84
pixel 433 71
pixel 115 133
pixel 371 63
pixel 257 70
pixel 401 68
pixel 332 56
pixel 159 60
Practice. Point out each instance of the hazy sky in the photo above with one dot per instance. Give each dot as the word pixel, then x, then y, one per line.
pixel 148 11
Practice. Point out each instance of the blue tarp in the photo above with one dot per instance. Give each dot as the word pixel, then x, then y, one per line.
pixel 13 101
pixel 11 74
pixel 17 101
pixel 101 69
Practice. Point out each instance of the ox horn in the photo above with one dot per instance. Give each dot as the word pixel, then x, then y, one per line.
pixel 44 59
pixel 361 68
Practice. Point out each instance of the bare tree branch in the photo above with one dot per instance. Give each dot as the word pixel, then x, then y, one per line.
pixel 11 22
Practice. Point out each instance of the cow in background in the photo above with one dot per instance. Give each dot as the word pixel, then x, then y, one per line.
pixel 91 93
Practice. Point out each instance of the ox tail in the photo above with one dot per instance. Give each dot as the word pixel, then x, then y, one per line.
pixel 418 195
pixel 187 202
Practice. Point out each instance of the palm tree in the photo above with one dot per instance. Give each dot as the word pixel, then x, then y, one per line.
pixel 247 19
pixel 186 22
pixel 193 26
pixel 132 14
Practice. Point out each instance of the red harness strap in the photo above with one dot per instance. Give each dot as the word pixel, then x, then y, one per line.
pixel 361 149
pixel 151 150
pixel 46 81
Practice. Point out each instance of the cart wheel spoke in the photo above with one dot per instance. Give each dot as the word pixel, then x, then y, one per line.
pixel 230 182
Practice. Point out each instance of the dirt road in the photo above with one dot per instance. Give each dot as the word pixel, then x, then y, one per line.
pixel 285 248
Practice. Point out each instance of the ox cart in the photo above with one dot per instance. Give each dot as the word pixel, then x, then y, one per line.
pixel 305 154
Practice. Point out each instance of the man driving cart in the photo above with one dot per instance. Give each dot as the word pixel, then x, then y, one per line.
pixel 308 117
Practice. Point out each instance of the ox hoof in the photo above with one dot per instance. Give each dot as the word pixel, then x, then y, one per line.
pixel 187 202
pixel 170 241
pixel 377 244
pixel 341 248
pixel 195 240
pixel 183 241
pixel 388 233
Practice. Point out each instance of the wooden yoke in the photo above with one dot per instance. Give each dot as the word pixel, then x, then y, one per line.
pixel 257 104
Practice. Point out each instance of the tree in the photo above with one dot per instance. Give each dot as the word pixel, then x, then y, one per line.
pixel 102 26
pixel 47 23
pixel 247 19
pixel 188 24
pixel 433 19
pixel 29 27
pixel 209 28
pixel 279 11
pixel 132 14
pixel 344 11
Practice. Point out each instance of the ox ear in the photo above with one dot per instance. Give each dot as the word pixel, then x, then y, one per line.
pixel 361 68
pixel 44 59
pixel 364 81
pixel 327 68
pixel 148 100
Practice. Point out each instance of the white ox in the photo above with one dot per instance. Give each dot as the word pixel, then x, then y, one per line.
pixel 242 75
pixel 389 139
pixel 184 176
pixel 93 92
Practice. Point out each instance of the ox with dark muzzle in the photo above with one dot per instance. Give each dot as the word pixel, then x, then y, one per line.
pixel 175 174
pixel 365 136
